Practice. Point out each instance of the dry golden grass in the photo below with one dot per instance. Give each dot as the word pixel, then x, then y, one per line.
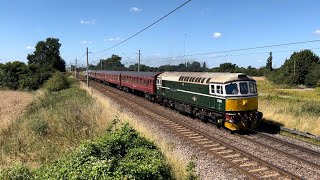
pixel 178 165
pixel 53 125
pixel 294 108
pixel 12 104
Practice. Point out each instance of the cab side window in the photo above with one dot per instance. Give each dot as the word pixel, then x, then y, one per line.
pixel 219 89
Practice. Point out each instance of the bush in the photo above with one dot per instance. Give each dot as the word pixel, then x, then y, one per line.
pixel 17 75
pixel 16 172
pixel 57 82
pixel 122 154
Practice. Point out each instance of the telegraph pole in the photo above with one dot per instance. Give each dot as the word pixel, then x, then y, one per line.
pixel 101 63
pixel 87 68
pixel 139 62
pixel 75 70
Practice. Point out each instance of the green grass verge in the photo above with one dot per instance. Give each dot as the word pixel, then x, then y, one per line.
pixel 53 124
pixel 118 154
pixel 302 138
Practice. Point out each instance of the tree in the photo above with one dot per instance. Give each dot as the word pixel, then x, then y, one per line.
pixel 111 63
pixel 300 68
pixel 10 74
pixel 47 55
pixel 204 66
pixel 269 62
pixel 226 67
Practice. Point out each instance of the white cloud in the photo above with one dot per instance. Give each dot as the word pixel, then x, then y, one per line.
pixel 30 48
pixel 85 42
pixel 317 32
pixel 217 35
pixel 113 39
pixel 157 54
pixel 87 21
pixel 135 9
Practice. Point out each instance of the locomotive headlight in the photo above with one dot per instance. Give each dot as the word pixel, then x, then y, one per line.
pixel 244 102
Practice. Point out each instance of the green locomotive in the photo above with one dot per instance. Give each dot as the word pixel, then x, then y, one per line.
pixel 227 99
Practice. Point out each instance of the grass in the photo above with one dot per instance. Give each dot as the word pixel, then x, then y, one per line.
pixel 303 138
pixel 120 153
pixel 294 108
pixel 12 104
pixel 55 123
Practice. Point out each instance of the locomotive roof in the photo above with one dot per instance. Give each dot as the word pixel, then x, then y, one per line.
pixel 209 77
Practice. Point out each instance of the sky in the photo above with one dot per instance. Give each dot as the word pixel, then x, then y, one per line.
pixel 203 27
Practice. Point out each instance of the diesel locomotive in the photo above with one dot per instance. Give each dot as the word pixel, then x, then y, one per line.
pixel 226 99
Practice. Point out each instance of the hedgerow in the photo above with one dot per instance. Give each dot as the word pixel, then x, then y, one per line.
pixel 122 154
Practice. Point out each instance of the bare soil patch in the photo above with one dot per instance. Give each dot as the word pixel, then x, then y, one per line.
pixel 12 104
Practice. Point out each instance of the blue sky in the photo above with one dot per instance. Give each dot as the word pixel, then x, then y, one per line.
pixel 201 26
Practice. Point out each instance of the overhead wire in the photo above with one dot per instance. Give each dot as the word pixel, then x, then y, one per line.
pixel 142 29
pixel 235 55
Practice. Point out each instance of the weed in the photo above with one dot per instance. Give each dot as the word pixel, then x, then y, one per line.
pixel 40 127
pixel 191 170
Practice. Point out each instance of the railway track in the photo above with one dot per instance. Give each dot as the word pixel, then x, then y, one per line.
pixel 248 164
pixel 301 154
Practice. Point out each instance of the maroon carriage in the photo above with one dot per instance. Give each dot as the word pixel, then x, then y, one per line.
pixel 112 77
pixel 144 82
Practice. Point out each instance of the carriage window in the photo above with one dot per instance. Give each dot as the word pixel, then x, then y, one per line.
pixel 232 88
pixel 253 87
pixel 208 80
pixel 244 88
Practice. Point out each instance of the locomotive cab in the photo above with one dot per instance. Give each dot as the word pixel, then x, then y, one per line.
pixel 240 103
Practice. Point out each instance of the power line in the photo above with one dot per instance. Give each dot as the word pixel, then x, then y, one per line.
pixel 233 55
pixel 257 47
pixel 143 29
pixel 241 49
pixel 82 57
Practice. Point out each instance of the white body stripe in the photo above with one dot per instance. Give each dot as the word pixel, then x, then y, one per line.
pixel 190 92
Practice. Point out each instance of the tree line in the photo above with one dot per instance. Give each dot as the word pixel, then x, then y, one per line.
pixel 42 63
pixel 302 68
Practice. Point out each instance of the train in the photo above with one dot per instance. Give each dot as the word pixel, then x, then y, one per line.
pixel 228 100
